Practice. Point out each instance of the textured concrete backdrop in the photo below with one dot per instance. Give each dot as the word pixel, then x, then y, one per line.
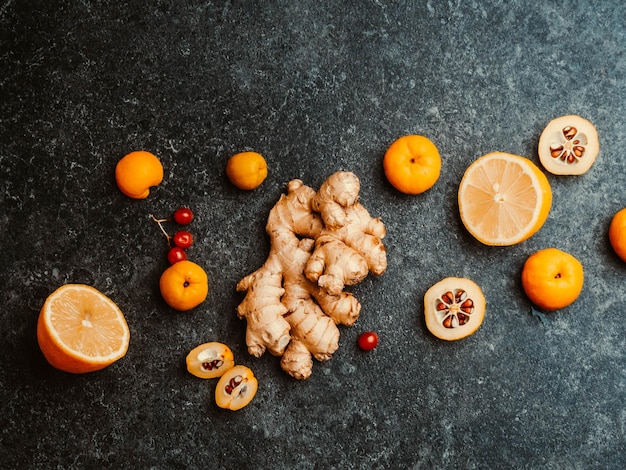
pixel 315 87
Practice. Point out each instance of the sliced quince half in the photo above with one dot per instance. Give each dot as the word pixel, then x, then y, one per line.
pixel 236 388
pixel 210 360
pixel 454 308
pixel 568 145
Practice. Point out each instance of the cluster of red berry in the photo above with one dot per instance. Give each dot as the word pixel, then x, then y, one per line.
pixel 181 239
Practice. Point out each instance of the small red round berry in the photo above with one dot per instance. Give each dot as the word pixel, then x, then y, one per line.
pixel 368 340
pixel 176 254
pixel 183 239
pixel 183 216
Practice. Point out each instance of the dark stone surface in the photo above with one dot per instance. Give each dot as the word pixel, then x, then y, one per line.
pixel 315 88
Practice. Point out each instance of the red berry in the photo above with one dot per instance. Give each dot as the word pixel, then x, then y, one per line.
pixel 368 341
pixel 183 239
pixel 183 216
pixel 176 254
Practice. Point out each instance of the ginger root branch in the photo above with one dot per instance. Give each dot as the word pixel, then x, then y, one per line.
pixel 320 242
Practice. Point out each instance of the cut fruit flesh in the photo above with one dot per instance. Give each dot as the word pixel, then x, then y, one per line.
pixel 568 145
pixel 454 308
pixel 81 330
pixel 503 199
pixel 236 388
pixel 210 360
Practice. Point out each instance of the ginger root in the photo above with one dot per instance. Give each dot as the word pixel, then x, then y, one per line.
pixel 350 246
pixel 320 242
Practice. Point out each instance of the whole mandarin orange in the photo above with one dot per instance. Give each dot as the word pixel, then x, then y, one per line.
pixel 552 279
pixel 246 170
pixel 617 233
pixel 412 164
pixel 184 285
pixel 136 172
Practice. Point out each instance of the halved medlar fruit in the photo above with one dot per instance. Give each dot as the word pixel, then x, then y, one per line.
pixel 568 145
pixel 236 388
pixel 210 360
pixel 454 308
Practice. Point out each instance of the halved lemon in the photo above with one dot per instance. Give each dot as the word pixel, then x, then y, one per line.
pixel 81 330
pixel 504 199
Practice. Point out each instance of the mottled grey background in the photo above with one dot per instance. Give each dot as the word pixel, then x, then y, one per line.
pixel 315 87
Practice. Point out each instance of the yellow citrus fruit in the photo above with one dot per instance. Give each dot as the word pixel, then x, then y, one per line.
pixel 454 308
pixel 568 145
pixel 236 388
pixel 210 360
pixel 81 330
pixel 412 164
pixel 184 285
pixel 552 279
pixel 246 170
pixel 617 233
pixel 504 199
pixel 137 172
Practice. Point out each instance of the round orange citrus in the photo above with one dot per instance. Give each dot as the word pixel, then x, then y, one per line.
pixel 412 164
pixel 81 330
pixel 503 199
pixel 184 285
pixel 552 279
pixel 617 233
pixel 246 170
pixel 137 172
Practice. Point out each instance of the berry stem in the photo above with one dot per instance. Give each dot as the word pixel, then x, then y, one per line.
pixel 160 223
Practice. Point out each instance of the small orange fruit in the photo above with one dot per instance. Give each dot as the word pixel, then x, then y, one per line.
pixel 136 172
pixel 246 170
pixel 412 164
pixel 81 330
pixel 568 145
pixel 552 279
pixel 617 233
pixel 236 388
pixel 454 308
pixel 184 285
pixel 504 199
pixel 210 360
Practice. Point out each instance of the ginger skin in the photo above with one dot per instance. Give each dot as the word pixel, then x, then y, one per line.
pixel 290 313
pixel 267 329
pixel 350 246
pixel 293 213
pixel 313 333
